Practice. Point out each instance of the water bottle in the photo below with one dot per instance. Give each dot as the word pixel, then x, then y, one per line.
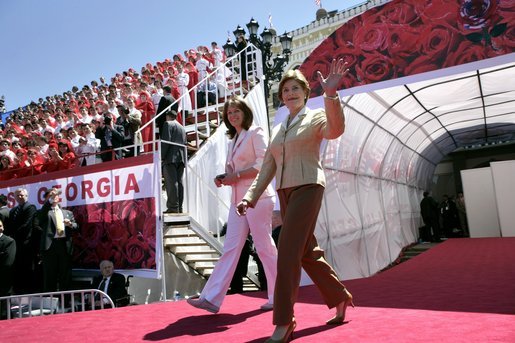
pixel 176 296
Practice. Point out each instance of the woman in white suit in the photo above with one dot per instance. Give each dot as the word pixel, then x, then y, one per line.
pixel 245 156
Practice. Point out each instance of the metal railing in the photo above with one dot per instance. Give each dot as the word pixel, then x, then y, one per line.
pixel 50 303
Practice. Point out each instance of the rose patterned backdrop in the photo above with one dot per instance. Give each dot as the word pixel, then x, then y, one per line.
pixel 123 232
pixel 408 37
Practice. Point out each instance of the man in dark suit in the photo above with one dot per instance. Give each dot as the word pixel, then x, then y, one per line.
pixel 173 159
pixel 21 218
pixel 166 100
pixel 56 225
pixel 111 137
pixel 7 254
pixel 111 283
pixel 429 212
pixel 4 210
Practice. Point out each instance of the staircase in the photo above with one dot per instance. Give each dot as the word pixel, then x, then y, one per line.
pixel 200 251
pixel 184 238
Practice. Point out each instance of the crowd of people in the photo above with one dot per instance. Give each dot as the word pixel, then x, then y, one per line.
pixel 41 252
pixel 100 122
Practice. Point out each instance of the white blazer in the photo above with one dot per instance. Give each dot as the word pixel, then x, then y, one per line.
pixel 248 151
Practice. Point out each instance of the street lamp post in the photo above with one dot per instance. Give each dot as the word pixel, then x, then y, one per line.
pixel 272 67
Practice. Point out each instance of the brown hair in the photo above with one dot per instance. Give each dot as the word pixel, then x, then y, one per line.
pixel 248 117
pixel 297 76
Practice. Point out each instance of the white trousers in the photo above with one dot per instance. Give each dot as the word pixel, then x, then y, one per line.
pixel 258 221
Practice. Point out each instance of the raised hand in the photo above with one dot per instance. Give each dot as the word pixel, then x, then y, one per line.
pixel 336 72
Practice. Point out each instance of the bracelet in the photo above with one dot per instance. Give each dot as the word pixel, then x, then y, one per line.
pixel 334 97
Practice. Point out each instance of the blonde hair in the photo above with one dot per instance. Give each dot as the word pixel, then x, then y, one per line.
pixel 297 76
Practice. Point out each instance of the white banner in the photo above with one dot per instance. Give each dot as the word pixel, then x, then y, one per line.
pixel 94 188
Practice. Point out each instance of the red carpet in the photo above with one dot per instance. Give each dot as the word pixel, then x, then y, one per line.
pixel 462 290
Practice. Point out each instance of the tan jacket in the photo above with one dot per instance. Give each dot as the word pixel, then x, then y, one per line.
pixel 293 155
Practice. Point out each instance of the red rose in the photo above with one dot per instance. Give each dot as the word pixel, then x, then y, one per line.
pixel 118 232
pixel 465 53
pixel 400 13
pixel 136 251
pixel 421 64
pixel 313 64
pixel 344 36
pixel 149 229
pixel 92 233
pixel 375 68
pixel 402 44
pixel 436 42
pixel 441 12
pixel 371 37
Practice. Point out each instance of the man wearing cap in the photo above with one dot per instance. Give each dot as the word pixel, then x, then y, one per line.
pixel 55 225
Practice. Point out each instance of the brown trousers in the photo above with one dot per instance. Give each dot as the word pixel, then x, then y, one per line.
pixel 298 248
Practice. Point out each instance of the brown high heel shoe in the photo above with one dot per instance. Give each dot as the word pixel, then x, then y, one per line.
pixel 288 336
pixel 340 314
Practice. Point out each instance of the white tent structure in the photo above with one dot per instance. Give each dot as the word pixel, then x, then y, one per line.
pixel 394 139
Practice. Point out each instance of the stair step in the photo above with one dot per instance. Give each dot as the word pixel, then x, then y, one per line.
pixel 178 231
pixel 203 265
pixel 199 258
pixel 188 250
pixel 191 241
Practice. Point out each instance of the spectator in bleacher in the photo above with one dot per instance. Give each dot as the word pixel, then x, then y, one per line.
pixel 135 120
pixel 111 137
pixel 52 159
pixel 206 92
pixel 21 163
pixel 7 169
pixel 55 225
pixel 5 148
pixel 183 80
pixel 166 100
pixel 145 105
pixel 111 106
pixel 157 93
pixel 71 118
pixel 41 145
pixel 128 134
pixel 202 65
pixel 67 155
pixel 85 116
pixel 35 161
pixel 114 93
pixel 217 54
pixel 245 156
pixel 20 228
pixel 73 137
pixel 95 114
pixel 7 257
pixel 173 159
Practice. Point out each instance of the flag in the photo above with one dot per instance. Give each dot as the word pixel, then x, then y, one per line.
pixel 270 20
pixel 318 3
